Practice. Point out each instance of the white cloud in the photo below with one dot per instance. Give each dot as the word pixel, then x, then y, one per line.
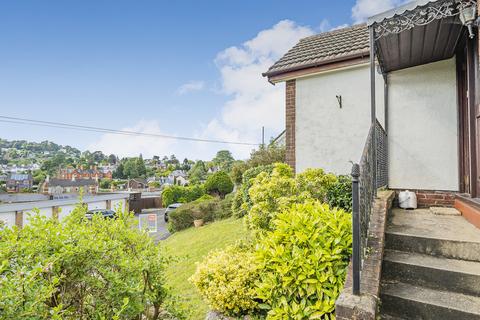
pixel 364 9
pixel 133 145
pixel 191 86
pixel 253 101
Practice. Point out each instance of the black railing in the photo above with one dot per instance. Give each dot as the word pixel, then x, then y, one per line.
pixel 367 177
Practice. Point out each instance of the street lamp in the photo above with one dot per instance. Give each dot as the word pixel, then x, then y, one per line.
pixel 468 14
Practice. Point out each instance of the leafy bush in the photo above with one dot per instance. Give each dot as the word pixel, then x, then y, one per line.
pixel 219 183
pixel 154 184
pixel 241 202
pixel 339 194
pixel 304 261
pixel 105 184
pixel 207 208
pixel 316 182
pixel 174 194
pixel 74 269
pixel 226 280
pixel 271 193
pixel 224 208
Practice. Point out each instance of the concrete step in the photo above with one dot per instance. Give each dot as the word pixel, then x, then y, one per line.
pixel 390 317
pixel 414 302
pixel 433 272
pixel 421 231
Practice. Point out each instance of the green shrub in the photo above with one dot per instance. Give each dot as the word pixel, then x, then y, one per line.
pixel 224 208
pixel 339 194
pixel 105 184
pixel 303 261
pixel 271 193
pixel 219 184
pixel 241 202
pixel 206 207
pixel 181 218
pixel 316 182
pixel 181 194
pixel 226 280
pixel 79 269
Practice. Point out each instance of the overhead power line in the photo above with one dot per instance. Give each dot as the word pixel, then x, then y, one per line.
pixel 63 125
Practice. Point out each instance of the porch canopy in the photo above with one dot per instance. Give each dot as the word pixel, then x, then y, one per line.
pixel 416 33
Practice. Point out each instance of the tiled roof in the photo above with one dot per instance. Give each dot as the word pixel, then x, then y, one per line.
pixel 72 183
pixel 323 48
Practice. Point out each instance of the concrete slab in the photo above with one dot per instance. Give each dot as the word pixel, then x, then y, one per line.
pixel 432 262
pixel 423 303
pixel 422 223
pixel 443 211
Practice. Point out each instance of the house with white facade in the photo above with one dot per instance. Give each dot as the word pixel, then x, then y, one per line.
pixel 399 96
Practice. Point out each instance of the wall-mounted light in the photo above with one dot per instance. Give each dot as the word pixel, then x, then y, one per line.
pixel 339 99
pixel 468 14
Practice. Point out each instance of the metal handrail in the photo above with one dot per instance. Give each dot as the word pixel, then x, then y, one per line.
pixel 367 176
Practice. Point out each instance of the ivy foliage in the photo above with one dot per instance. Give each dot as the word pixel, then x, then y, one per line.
pixel 304 261
pixel 80 269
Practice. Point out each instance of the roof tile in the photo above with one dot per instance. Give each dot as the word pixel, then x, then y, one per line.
pixel 322 48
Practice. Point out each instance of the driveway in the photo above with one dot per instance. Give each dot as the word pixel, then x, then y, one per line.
pixel 161 231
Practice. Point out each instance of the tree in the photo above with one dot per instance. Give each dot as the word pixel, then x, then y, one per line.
pixel 223 160
pixel 198 172
pixel 112 159
pixel 238 168
pixel 219 183
pixel 118 173
pixel 39 176
pixel 266 155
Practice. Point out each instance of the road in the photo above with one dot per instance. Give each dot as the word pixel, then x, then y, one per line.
pixel 161 232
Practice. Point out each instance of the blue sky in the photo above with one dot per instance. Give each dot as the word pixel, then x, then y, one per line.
pixel 172 67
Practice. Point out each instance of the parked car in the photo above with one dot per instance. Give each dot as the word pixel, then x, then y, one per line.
pixel 110 214
pixel 169 209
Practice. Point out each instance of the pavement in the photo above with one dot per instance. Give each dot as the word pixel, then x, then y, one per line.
pixel 148 218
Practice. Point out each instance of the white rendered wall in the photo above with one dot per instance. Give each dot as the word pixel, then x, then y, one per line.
pixel 97 205
pixel 47 212
pixel 423 133
pixel 118 203
pixel 65 211
pixel 329 137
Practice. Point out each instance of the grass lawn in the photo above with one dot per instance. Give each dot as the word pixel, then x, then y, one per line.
pixel 191 246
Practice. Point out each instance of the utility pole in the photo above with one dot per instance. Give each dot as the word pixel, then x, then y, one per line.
pixel 263 136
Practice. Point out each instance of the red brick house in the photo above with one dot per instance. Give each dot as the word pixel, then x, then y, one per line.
pixel 92 173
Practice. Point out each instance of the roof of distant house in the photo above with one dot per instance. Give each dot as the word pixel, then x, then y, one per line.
pixel 71 183
pixel 139 180
pixel 333 46
pixel 178 173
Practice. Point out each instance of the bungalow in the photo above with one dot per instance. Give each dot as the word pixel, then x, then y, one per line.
pixel 400 96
